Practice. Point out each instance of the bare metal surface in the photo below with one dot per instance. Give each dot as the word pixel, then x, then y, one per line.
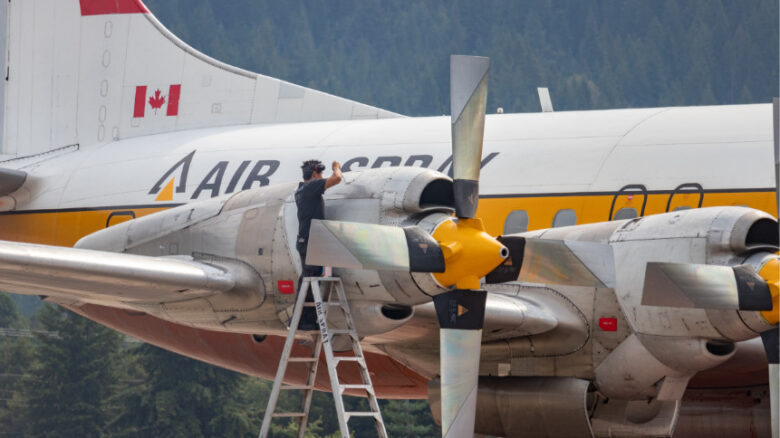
pixel 776 131
pixel 40 269
pixel 690 285
pixel 357 245
pixel 558 262
pixel 126 235
pixel 738 412
pixel 640 418
pixel 468 91
pixel 527 406
pixel 544 99
pixel 459 352
pixel 11 180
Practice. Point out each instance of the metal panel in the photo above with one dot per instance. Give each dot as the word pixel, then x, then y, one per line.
pixel 544 99
pixel 109 276
pixel 357 245
pixel 690 285
pixel 532 407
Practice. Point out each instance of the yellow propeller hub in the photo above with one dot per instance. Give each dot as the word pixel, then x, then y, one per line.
pixel 771 273
pixel 469 253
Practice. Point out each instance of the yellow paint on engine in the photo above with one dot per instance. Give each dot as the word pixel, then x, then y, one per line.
pixel 469 253
pixel 771 273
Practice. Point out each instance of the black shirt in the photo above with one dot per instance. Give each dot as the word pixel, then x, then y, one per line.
pixel 308 198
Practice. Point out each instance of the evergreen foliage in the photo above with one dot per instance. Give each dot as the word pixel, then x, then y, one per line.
pixel 71 378
pixel 394 54
pixel 180 397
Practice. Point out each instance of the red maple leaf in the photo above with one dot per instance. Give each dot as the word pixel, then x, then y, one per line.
pixel 157 100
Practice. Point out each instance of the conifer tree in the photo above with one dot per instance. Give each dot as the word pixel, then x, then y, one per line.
pixel 66 389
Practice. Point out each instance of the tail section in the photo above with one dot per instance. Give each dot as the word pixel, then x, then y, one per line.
pixel 95 71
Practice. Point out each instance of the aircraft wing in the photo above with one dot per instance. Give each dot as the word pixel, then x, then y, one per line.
pixel 82 275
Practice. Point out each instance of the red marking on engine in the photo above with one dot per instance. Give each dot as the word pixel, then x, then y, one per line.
pixel 102 7
pixel 608 324
pixel 140 101
pixel 285 287
pixel 173 100
pixel 630 197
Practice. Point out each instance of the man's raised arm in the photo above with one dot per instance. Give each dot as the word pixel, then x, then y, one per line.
pixel 335 177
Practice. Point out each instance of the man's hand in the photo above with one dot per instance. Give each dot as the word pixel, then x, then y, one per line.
pixel 335 177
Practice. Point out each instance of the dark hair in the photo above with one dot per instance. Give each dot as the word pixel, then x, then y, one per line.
pixel 310 166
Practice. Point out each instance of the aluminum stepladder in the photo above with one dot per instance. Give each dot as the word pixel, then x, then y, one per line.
pixel 322 340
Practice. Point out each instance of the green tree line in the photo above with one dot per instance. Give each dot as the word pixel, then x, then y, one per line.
pixel 591 54
pixel 75 378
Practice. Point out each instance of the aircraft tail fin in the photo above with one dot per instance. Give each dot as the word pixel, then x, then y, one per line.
pixel 95 71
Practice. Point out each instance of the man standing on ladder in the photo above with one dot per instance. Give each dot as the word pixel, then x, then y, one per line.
pixel 308 199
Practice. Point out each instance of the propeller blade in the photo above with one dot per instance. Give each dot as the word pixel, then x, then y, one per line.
pixel 705 287
pixel 771 340
pixel 461 314
pixel 776 129
pixel 370 246
pixel 468 100
pixel 545 261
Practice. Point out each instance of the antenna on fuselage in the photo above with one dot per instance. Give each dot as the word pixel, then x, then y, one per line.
pixel 544 99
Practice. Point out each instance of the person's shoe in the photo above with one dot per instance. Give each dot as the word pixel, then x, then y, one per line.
pixel 308 326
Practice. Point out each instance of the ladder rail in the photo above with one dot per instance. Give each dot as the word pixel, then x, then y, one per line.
pixel 322 318
pixel 323 341
pixel 307 396
pixel 357 350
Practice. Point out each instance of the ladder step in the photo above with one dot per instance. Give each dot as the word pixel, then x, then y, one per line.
pixel 323 293
pixel 297 387
pixel 340 331
pixel 357 386
pixel 303 359
pixel 361 414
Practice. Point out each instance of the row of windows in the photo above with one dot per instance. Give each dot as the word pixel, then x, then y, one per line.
pixel 517 221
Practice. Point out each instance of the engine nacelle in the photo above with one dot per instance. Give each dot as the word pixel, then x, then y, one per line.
pixel 669 344
pixel 726 236
pixel 258 228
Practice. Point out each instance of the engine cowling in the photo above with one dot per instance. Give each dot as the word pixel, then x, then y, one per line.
pixel 258 228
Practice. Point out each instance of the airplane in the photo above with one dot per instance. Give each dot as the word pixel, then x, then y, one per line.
pixel 615 268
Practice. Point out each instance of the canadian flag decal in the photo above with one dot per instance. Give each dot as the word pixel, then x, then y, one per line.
pixel 156 99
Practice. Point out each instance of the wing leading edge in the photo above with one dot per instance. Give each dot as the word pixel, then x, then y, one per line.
pixel 115 279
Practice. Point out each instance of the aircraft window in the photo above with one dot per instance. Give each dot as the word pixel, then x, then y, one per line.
pixel 564 218
pixel 516 222
pixel 682 207
pixel 626 213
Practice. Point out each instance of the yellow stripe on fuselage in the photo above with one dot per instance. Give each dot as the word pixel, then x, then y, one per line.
pixel 66 227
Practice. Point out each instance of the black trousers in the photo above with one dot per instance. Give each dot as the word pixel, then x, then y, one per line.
pixel 308 315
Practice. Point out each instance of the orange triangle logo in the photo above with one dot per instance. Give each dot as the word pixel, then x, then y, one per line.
pixel 166 194
pixel 462 310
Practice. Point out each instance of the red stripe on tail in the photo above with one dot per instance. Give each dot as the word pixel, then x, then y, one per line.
pixel 173 100
pixel 140 101
pixel 102 7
